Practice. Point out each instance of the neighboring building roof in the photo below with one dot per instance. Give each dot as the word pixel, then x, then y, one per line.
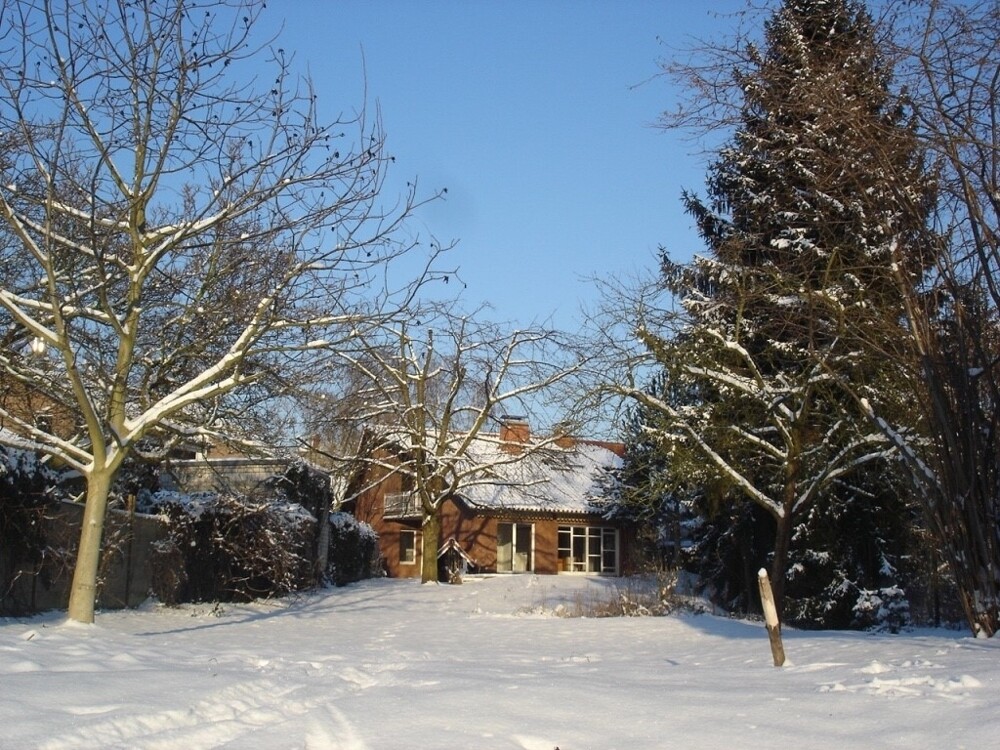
pixel 551 479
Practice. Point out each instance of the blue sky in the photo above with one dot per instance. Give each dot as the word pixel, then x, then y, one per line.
pixel 535 116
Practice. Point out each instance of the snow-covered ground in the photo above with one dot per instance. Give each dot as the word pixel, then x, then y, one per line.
pixel 393 664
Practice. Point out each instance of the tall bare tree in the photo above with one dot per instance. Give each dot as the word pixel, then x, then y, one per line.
pixel 181 231
pixel 950 60
pixel 433 396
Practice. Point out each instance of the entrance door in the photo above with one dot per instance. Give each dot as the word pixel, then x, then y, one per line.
pixel 514 547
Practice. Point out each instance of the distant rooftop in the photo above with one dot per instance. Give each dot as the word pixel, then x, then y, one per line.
pixel 551 479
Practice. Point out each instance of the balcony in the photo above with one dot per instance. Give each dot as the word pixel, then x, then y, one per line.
pixel 402 505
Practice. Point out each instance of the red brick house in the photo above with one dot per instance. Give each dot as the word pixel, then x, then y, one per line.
pixel 539 513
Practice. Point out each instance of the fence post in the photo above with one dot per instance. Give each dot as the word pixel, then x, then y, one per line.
pixel 130 551
pixel 771 618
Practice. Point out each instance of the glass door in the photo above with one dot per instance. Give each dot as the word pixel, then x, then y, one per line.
pixel 514 543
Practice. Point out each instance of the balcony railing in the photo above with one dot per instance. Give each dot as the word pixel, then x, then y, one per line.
pixel 402 505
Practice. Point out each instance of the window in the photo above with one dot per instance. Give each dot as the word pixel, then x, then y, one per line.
pixel 514 547
pixel 588 549
pixel 407 547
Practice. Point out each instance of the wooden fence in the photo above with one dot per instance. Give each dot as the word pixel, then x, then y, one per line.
pixel 125 566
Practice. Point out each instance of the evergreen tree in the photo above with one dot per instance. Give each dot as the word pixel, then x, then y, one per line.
pixel 819 183
pixel 807 205
pixel 651 492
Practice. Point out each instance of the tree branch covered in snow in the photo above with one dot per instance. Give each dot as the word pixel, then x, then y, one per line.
pixel 182 240
pixel 430 396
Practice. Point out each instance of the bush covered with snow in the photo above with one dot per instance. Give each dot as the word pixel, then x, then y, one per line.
pixel 349 552
pixel 228 547
pixel 354 553
pixel 305 485
pixel 886 609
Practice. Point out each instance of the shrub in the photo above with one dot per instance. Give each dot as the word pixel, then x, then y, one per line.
pixel 228 547
pixel 647 595
pixel 354 553
pixel 885 609
pixel 351 553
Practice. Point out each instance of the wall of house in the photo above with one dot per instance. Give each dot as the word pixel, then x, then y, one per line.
pixel 389 537
pixel 477 536
pixel 36 408
pixel 369 506
pixel 547 547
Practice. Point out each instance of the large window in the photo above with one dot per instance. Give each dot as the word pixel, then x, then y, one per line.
pixel 588 549
pixel 407 547
pixel 514 544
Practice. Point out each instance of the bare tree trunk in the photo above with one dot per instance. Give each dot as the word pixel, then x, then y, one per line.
pixel 323 542
pixel 779 564
pixel 84 591
pixel 431 544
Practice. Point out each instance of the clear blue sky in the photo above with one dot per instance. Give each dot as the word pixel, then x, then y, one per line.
pixel 533 116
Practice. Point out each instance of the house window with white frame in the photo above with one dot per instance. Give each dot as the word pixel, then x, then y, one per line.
pixel 515 542
pixel 407 547
pixel 588 549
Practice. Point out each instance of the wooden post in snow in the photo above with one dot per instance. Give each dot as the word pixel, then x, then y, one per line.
pixel 771 618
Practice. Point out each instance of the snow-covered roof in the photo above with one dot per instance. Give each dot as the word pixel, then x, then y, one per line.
pixel 550 479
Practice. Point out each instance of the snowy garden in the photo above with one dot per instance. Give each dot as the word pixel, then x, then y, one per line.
pixel 197 265
pixel 494 663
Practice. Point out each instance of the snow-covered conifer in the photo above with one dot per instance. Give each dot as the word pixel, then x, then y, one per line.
pixel 807 203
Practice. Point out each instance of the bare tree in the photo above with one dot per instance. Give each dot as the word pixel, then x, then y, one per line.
pixel 179 236
pixel 950 60
pixel 433 396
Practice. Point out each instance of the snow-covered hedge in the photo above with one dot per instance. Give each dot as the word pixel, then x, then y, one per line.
pixel 228 547
pixel 354 552
pixel 351 552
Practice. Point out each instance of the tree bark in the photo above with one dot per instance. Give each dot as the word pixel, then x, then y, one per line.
pixel 431 544
pixel 83 594
pixel 322 542
pixel 779 564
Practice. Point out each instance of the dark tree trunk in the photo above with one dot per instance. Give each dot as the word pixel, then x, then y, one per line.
pixel 779 564
pixel 431 543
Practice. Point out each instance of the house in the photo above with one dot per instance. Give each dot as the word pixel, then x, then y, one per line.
pixel 233 473
pixel 537 512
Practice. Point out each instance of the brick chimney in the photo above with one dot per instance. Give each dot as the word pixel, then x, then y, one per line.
pixel 515 433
